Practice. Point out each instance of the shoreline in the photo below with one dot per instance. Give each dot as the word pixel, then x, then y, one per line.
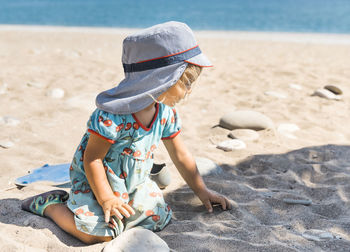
pixel 288 37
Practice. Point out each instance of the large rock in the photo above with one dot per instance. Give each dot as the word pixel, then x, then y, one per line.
pixel 137 239
pixel 246 119
pixel 206 166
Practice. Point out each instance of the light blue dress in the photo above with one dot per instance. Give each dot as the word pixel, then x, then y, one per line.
pixel 127 164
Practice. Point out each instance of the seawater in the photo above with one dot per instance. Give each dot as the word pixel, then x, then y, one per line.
pixel 319 16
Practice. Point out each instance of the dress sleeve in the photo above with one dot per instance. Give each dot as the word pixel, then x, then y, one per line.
pixel 105 125
pixel 172 123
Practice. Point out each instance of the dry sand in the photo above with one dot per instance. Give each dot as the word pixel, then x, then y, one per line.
pixel 313 165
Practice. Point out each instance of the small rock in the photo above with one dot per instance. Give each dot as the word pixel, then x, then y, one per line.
pixel 246 119
pixel 206 166
pixel 305 202
pixel 137 239
pixel 290 127
pixel 324 93
pixel 56 93
pixel 9 120
pixel 26 222
pixel 36 84
pixel 3 88
pixel 276 94
pixel 244 134
pixel 289 135
pixel 295 86
pixel 317 235
pixel 230 145
pixel 333 89
pixel 6 144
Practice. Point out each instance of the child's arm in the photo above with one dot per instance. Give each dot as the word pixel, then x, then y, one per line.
pixel 95 152
pixel 186 165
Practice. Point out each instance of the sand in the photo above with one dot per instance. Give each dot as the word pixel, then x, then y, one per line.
pixel 312 163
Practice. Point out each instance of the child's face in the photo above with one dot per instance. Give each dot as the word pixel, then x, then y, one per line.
pixel 174 94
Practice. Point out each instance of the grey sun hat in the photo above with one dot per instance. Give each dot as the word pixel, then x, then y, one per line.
pixel 153 59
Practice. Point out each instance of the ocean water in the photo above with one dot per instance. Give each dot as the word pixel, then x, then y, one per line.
pixel 315 16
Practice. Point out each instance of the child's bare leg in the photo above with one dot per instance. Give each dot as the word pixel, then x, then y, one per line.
pixel 64 218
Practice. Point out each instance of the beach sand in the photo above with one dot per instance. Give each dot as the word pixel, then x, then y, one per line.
pixel 312 163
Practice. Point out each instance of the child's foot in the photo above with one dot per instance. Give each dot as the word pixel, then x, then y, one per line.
pixel 161 175
pixel 38 203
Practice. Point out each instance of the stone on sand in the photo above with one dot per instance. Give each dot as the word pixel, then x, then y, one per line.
pixel 3 88
pixel 246 119
pixel 276 94
pixel 324 93
pixel 6 144
pixel 137 239
pixel 9 120
pixel 36 84
pixel 231 145
pixel 295 86
pixel 333 89
pixel 244 134
pixel 56 93
pixel 287 129
pixel 206 166
pixel 317 235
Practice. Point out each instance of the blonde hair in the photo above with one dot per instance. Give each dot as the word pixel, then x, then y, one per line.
pixel 190 75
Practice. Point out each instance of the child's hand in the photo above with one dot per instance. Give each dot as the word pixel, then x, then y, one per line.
pixel 209 197
pixel 116 207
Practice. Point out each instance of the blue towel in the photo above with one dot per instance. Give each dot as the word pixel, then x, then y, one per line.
pixel 58 174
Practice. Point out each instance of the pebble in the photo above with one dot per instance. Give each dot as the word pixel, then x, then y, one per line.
pixel 324 93
pixel 305 202
pixel 244 134
pixel 295 86
pixel 137 239
pixel 289 127
pixel 289 135
pixel 56 93
pixel 206 166
pixel 9 120
pixel 36 84
pixel 333 89
pixel 317 235
pixel 6 144
pixel 276 94
pixel 230 145
pixel 26 222
pixel 3 88
pixel 246 119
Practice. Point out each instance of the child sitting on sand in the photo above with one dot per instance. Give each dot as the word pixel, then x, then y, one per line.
pixel 111 187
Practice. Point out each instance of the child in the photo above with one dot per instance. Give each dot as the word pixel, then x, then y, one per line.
pixel 111 188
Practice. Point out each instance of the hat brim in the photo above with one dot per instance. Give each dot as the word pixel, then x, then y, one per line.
pixel 200 60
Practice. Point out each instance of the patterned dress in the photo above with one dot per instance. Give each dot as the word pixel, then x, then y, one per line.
pixel 127 165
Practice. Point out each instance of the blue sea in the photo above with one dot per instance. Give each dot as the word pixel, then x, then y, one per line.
pixel 315 16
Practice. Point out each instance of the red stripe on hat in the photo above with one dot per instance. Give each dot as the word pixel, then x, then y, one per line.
pixel 168 55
